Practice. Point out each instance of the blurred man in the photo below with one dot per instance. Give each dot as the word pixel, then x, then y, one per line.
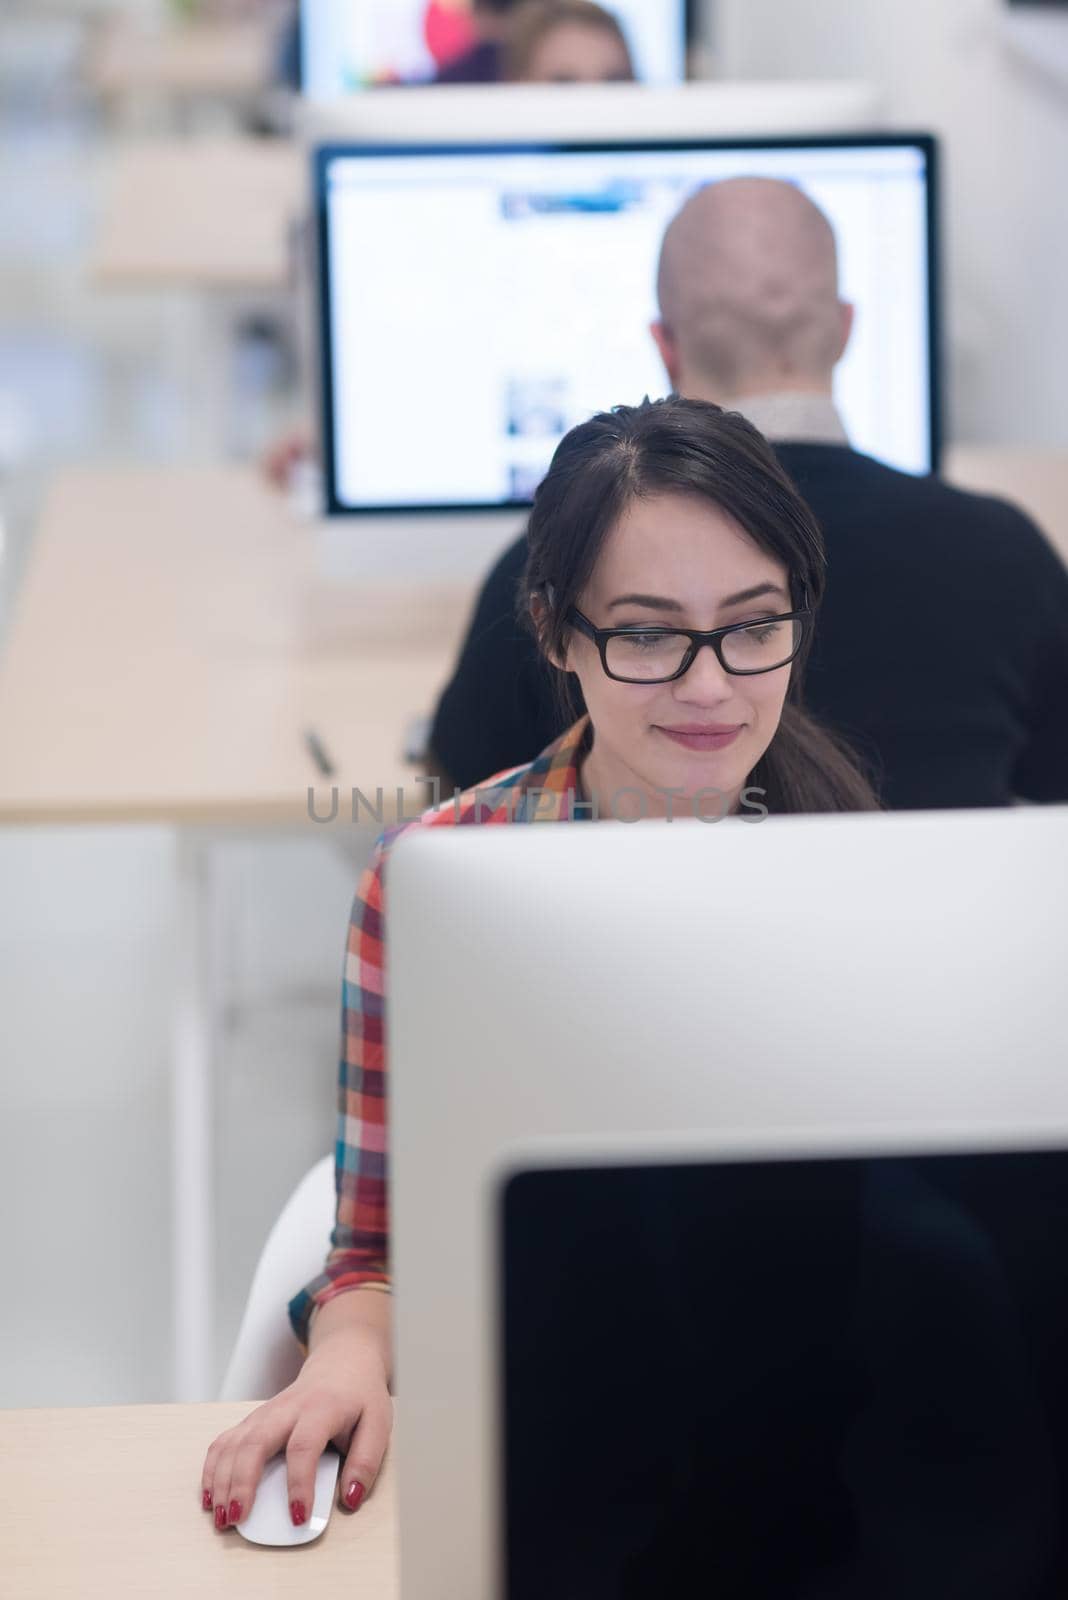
pixel 942 645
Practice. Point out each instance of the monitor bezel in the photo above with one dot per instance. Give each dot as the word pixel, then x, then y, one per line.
pixel 324 155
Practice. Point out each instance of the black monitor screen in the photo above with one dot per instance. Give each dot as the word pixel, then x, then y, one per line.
pixel 800 1379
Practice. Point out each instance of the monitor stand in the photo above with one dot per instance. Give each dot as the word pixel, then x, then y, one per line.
pixel 445 546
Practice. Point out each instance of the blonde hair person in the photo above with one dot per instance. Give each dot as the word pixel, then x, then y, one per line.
pixel 566 41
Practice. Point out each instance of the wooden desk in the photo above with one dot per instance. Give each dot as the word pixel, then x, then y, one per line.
pixel 171 644
pixel 229 59
pixel 105 1502
pixel 201 214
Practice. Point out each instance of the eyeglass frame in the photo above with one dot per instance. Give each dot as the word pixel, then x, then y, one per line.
pixel 698 639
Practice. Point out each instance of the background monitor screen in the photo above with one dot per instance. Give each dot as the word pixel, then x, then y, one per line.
pixel 346 46
pixel 477 303
pixel 798 1377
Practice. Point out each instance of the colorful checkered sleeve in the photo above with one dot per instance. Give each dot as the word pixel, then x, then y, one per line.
pixel 359 1255
pixel 544 791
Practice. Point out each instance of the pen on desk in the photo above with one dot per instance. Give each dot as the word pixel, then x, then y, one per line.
pixel 314 746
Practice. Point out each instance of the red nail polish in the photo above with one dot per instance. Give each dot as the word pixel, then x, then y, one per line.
pixel 234 1513
pixel 354 1494
pixel 297 1512
pixel 220 1516
pixel 205 1500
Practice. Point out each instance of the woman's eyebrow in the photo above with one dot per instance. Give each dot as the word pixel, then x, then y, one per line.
pixel 657 602
pixel 755 593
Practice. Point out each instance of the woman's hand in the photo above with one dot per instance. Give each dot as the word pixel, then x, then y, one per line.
pixel 341 1397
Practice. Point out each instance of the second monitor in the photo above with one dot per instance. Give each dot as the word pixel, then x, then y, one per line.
pixel 477 302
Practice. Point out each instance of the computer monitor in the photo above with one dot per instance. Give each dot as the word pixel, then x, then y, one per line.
pixel 346 47
pixel 478 301
pixel 813 986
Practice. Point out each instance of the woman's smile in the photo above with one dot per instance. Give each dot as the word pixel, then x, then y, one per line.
pixel 693 736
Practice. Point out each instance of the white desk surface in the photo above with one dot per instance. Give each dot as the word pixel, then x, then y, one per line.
pixel 210 213
pixel 105 1502
pixel 171 643
pixel 221 57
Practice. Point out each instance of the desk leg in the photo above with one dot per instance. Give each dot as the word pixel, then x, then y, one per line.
pixel 192 1206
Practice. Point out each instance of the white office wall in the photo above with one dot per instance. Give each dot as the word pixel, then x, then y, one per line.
pixel 947 65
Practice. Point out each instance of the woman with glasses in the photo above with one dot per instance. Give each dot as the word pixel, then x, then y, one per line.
pixel 675 572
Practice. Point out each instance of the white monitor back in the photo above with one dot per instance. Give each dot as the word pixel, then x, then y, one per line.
pixel 490 113
pixel 820 984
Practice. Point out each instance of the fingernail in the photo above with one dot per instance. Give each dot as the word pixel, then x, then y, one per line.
pixel 353 1494
pixel 220 1516
pixel 205 1500
pixel 234 1513
pixel 297 1512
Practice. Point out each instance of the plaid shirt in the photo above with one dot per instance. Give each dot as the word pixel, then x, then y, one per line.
pixel 546 790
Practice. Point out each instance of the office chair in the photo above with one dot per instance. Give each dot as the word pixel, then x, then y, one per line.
pixel 266 1356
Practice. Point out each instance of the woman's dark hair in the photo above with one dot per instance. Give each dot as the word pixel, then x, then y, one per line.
pixel 690 447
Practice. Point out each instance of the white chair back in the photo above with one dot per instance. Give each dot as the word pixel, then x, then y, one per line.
pixel 266 1356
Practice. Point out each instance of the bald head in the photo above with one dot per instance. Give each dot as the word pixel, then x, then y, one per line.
pixel 748 290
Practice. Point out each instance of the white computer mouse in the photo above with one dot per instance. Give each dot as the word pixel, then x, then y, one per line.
pixel 269 1521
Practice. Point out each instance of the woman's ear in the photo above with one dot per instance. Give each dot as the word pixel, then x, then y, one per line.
pixel 541 614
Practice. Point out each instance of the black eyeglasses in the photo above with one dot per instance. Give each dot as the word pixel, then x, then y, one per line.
pixel 660 655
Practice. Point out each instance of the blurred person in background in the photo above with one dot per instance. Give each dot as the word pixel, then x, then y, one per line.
pixel 518 41
pixel 942 654
pixel 566 41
